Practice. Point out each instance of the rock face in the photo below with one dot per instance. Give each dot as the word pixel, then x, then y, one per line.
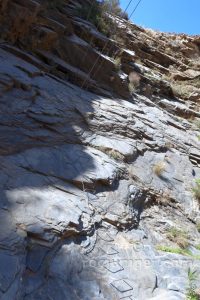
pixel 97 167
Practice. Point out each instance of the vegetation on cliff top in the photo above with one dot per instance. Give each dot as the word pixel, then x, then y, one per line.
pixel 97 14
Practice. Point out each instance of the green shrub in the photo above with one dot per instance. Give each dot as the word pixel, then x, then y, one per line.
pixel 97 14
pixel 192 287
pixel 55 3
pixel 113 6
pixel 197 247
pixel 198 226
pixel 173 250
pixel 177 250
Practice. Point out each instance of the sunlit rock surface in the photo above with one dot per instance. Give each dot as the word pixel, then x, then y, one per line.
pixel 94 175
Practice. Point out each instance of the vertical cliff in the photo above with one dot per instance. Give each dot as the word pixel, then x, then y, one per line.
pixel 99 156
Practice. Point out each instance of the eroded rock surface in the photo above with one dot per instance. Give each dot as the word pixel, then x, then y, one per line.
pixel 94 179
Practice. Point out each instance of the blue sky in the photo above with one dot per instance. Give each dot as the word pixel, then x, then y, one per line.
pixel 182 16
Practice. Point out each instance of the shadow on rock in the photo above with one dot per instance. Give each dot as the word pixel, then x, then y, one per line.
pixel 44 171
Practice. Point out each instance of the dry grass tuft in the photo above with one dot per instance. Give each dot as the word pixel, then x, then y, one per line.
pixel 115 155
pixel 198 227
pixel 196 190
pixel 131 88
pixel 178 236
pixel 197 123
pixel 117 62
pixel 159 168
pixel 134 81
pixel 184 91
